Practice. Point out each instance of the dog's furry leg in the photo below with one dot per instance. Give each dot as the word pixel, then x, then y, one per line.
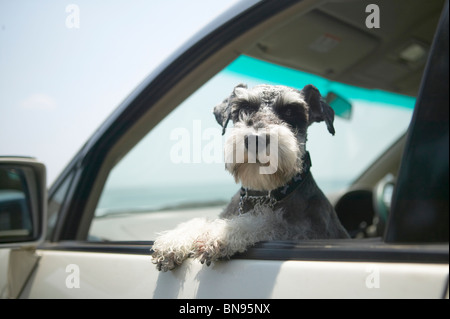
pixel 210 240
pixel 225 237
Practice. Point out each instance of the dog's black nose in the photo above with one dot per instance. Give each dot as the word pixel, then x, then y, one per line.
pixel 257 142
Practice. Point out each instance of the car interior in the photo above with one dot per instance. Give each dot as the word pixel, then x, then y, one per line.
pixel 333 41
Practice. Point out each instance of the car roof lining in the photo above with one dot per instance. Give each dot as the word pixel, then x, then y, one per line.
pixel 333 41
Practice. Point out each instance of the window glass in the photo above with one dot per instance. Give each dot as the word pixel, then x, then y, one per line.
pixel 177 171
pixel 15 214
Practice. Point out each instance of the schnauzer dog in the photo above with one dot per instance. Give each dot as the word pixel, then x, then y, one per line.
pixel 266 153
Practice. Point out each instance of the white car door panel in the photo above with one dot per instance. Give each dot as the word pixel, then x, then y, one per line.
pixel 66 274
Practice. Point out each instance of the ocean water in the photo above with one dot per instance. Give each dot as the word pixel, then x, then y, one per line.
pixel 151 198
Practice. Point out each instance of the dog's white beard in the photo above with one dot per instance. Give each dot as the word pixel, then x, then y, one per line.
pixel 284 158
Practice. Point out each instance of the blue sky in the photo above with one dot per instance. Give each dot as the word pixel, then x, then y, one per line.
pixel 57 84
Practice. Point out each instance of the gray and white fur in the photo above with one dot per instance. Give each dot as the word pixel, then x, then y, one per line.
pixel 266 117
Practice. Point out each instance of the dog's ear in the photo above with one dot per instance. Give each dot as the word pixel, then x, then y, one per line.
pixel 319 110
pixel 222 112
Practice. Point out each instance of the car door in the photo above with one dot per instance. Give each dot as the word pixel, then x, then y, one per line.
pixel 76 262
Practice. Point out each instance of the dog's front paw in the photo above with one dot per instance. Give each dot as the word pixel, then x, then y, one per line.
pixel 166 257
pixel 207 251
pixel 165 261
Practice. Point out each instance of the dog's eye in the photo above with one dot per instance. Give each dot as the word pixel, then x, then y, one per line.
pixel 249 107
pixel 240 112
pixel 246 111
pixel 292 114
pixel 289 111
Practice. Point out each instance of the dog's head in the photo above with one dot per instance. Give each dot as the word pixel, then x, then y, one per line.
pixel 267 142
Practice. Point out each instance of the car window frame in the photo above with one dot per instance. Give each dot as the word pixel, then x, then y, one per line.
pixel 412 201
